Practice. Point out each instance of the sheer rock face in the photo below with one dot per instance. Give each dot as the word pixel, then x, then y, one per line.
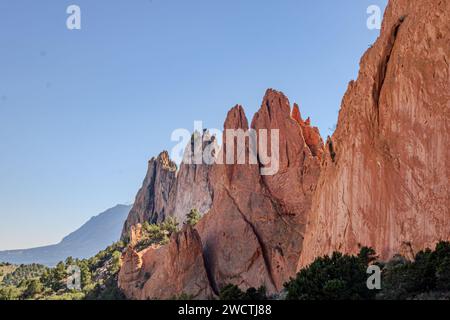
pixel 385 180
pixel 252 235
pixel 168 193
pixel 193 187
pixel 166 272
pixel 152 199
pixel 130 278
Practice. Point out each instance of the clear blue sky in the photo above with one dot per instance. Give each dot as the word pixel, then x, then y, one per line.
pixel 81 112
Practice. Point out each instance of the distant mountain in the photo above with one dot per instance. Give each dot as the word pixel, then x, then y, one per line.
pixel 95 235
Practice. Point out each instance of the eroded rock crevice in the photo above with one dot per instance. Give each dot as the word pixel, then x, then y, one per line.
pixel 384 66
pixel 261 244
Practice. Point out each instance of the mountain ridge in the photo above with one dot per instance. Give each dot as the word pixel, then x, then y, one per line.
pixel 97 233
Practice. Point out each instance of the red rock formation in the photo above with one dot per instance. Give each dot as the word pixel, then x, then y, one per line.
pixel 168 192
pixel 385 181
pixel 151 200
pixel 253 234
pixel 193 187
pixel 234 250
pixel 168 271
pixel 130 278
pixel 311 134
pixel 135 234
pixel 383 176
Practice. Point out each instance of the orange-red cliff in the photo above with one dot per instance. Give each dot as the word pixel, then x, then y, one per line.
pixel 381 180
pixel 385 180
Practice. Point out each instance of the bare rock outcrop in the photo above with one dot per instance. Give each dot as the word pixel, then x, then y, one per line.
pixel 152 199
pixel 130 278
pixel 167 192
pixel 193 188
pixel 165 272
pixel 311 134
pixel 253 233
pixel 385 180
pixel 381 180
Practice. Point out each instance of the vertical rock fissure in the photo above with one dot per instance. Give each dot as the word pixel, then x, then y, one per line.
pixel 258 238
pixel 383 68
pixel 209 274
pixel 331 149
pixel 151 190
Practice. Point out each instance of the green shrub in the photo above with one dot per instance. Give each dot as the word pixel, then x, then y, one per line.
pixel 158 234
pixel 183 296
pixel 54 278
pixel 170 225
pixel 72 295
pixel 33 287
pixel 115 262
pixel 427 275
pixel 106 290
pixel 193 217
pixel 339 277
pixel 232 292
pixel 23 272
pixel 10 293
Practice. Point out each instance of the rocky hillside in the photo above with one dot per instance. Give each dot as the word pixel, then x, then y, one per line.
pixel 381 180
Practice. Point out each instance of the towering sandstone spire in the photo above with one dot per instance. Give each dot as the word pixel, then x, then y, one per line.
pixel 152 199
pixel 252 232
